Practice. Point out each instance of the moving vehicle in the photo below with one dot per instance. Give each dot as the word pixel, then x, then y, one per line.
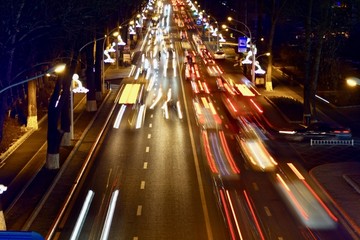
pixel 219 55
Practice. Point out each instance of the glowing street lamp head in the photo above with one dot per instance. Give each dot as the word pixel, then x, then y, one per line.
pixel 352 82
pixel 60 68
pixel 229 19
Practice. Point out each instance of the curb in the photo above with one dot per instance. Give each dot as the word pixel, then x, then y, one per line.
pixel 20 141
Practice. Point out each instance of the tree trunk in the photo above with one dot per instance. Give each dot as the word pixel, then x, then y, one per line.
pixel 99 85
pixel 324 27
pixel 307 89
pixel 66 118
pixel 32 106
pixel 268 79
pixel 91 105
pixel 54 135
pixel 316 70
pixel 2 114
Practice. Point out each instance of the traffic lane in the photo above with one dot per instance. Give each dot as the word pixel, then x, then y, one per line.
pixel 302 191
pixel 172 208
pixel 217 222
pixel 302 230
pixel 274 211
pixel 270 213
pixel 265 212
pixel 262 219
pixel 104 177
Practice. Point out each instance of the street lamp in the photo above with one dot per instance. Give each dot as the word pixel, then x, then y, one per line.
pixel 216 32
pixel 352 82
pixel 252 46
pixel 56 69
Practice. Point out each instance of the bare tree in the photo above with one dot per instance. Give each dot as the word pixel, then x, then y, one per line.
pixel 276 11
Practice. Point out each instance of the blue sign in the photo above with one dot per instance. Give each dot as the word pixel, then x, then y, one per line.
pixel 242 44
pixel 198 22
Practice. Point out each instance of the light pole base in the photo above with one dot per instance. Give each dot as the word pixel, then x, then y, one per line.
pixel 268 86
pixel 53 161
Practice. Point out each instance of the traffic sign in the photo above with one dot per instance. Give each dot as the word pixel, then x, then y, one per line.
pixel 242 44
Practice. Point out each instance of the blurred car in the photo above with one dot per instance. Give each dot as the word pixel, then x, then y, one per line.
pixel 319 130
pixel 213 70
pixel 219 55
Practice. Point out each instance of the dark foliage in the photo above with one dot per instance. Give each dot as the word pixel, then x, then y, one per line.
pixel 290 107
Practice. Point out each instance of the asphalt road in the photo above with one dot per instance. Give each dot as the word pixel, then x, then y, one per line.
pixel 156 173
pixel 168 183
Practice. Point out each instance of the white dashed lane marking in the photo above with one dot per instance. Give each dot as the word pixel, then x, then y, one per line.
pixel 267 211
pixel 139 210
pixel 142 185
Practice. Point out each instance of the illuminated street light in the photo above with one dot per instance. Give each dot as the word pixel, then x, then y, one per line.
pixel 216 32
pixel 57 69
pixel 252 46
pixel 352 82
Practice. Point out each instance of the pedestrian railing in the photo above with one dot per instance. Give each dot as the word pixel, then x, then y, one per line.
pixel 331 142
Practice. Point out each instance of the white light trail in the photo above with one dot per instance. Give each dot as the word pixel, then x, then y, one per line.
pixel 140 116
pixel 109 216
pixel 179 110
pixel 119 116
pixel 82 215
pixel 157 99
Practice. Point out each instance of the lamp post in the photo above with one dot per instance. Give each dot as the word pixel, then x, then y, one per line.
pixel 79 89
pixel 115 32
pixel 217 32
pixel 252 46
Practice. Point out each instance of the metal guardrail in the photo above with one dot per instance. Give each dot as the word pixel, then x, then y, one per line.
pixel 331 142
